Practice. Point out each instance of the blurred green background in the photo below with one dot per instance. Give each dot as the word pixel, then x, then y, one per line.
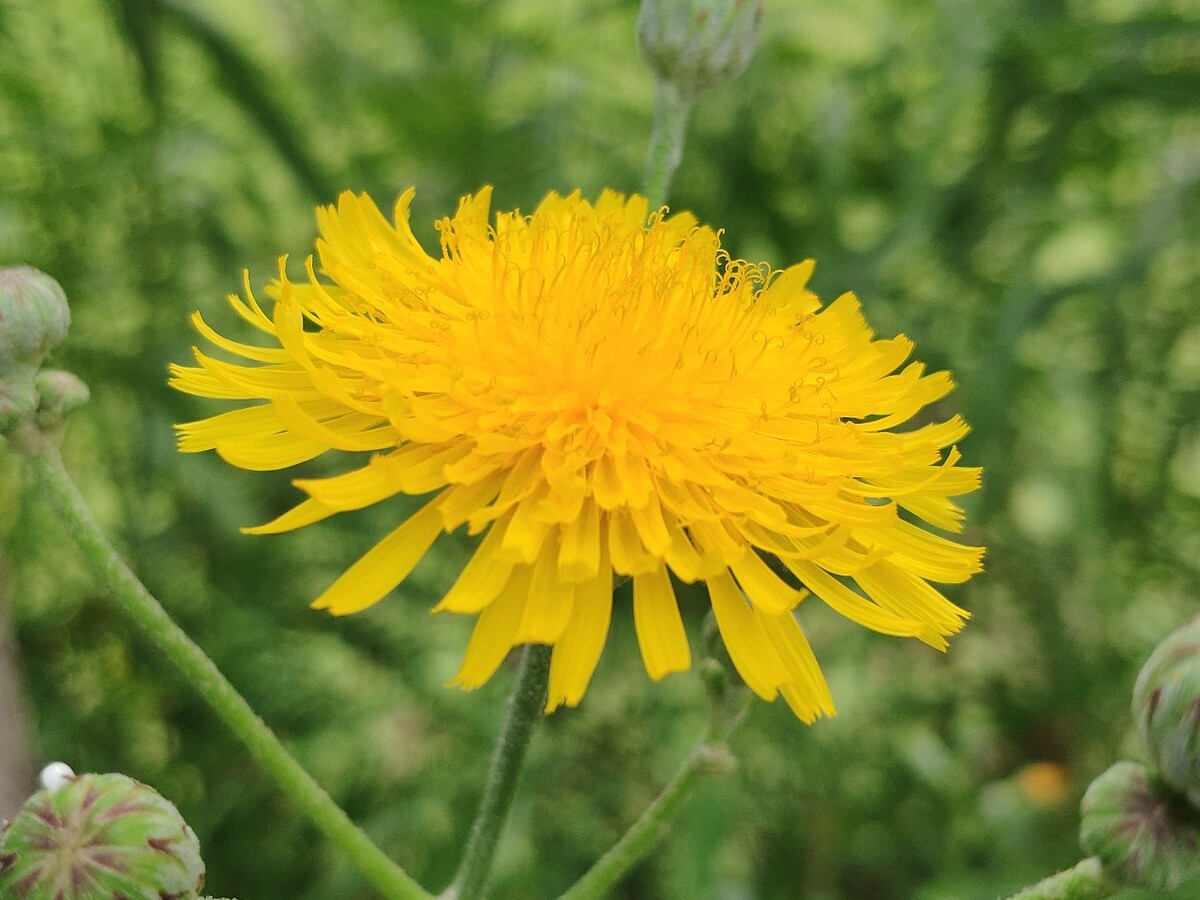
pixel 1015 184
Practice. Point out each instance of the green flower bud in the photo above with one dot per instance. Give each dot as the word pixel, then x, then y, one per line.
pixel 18 399
pixel 695 44
pixel 99 837
pixel 1166 705
pixel 58 394
pixel 33 317
pixel 1144 835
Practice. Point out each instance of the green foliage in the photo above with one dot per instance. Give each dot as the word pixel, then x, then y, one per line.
pixel 1016 185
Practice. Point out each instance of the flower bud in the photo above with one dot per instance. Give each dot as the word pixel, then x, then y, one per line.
pixel 18 400
pixel 33 317
pixel 58 394
pixel 1144 835
pixel 1166 704
pixel 695 44
pixel 98 837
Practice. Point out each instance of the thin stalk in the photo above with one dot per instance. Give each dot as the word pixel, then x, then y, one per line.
pixel 652 826
pixel 149 616
pixel 1084 881
pixel 672 109
pixel 525 705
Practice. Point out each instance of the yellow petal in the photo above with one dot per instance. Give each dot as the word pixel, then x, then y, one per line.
pixel 250 422
pixel 548 609
pixel 806 690
pixel 660 631
pixel 766 590
pixel 363 487
pixel 629 557
pixel 524 534
pixel 580 550
pixel 305 513
pixel 905 594
pixel 851 605
pixel 482 578
pixel 333 433
pixel 255 382
pixel 495 632
pixel 749 648
pixel 928 555
pixel 651 527
pixel 267 453
pixel 258 354
pixel 578 650
pixel 385 565
pixel 464 500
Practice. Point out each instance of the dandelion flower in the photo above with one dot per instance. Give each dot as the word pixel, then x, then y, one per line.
pixel 599 390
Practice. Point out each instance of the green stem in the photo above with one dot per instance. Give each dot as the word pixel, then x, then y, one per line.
pixel 524 709
pixel 672 109
pixel 1085 881
pixel 653 825
pixel 146 612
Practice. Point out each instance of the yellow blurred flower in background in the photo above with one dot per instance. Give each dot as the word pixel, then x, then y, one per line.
pixel 599 389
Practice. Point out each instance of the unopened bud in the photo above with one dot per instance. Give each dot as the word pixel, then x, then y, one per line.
pixel 695 44
pixel 1144 835
pixel 34 317
pixel 1166 704
pixel 99 836
pixel 58 394
pixel 18 399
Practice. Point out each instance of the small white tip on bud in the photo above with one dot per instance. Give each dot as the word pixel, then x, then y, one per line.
pixel 55 776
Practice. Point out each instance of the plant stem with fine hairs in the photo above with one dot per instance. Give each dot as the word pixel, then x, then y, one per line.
pixel 650 828
pixel 525 705
pixel 1085 881
pixel 148 615
pixel 671 113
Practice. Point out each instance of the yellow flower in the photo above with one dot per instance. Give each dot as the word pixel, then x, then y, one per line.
pixel 598 389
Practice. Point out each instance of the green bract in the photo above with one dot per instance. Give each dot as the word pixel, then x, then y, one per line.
pixel 695 44
pixel 33 320
pixel 99 837
pixel 34 317
pixel 1166 704
pixel 1144 835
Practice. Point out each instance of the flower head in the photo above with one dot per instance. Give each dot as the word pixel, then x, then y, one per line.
pixel 92 836
pixel 598 389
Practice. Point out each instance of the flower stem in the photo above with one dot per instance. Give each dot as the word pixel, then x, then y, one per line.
pixel 653 824
pixel 140 606
pixel 525 705
pixel 1084 881
pixel 671 113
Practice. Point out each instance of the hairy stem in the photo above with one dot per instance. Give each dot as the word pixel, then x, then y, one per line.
pixel 653 825
pixel 1084 881
pixel 671 113
pixel 524 709
pixel 148 615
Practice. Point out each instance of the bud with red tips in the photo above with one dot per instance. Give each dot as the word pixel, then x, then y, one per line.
pixel 99 837
pixel 1144 835
pixel 1166 705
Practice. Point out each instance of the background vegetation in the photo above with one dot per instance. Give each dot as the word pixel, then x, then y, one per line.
pixel 1013 183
